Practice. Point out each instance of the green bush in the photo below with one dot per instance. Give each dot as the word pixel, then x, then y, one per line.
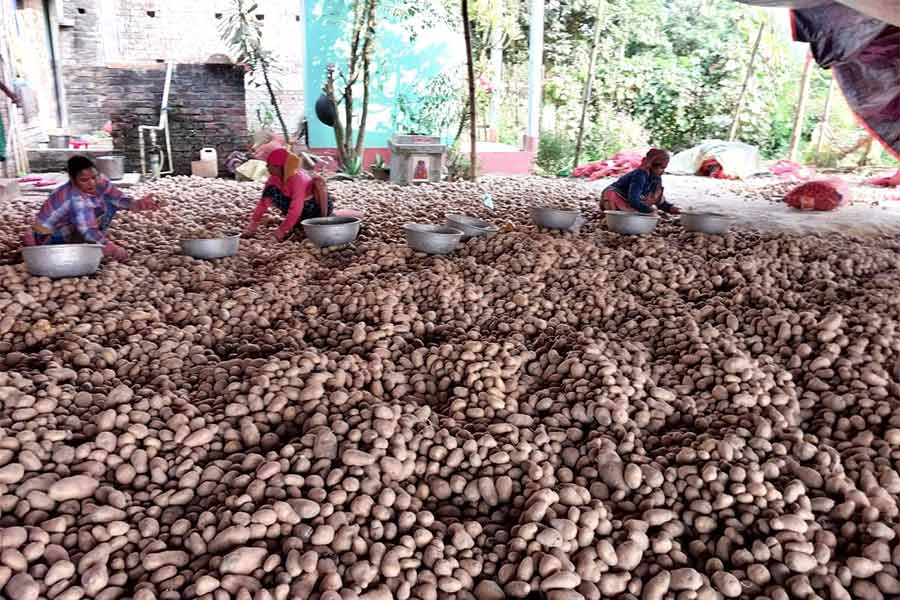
pixel 555 152
pixel 609 132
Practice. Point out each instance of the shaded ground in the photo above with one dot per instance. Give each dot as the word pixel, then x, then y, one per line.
pixel 757 204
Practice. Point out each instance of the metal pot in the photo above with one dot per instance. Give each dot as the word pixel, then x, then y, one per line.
pixel 211 248
pixel 471 227
pixel 706 222
pixel 62 260
pixel 432 239
pixel 111 166
pixel 630 223
pixel 331 231
pixel 554 218
pixel 58 142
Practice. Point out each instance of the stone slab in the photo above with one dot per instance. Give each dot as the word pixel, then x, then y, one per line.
pixel 416 139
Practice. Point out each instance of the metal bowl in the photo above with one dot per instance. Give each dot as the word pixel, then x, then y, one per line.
pixel 211 248
pixel 706 222
pixel 331 231
pixel 432 239
pixel 471 227
pixel 554 218
pixel 630 223
pixel 63 260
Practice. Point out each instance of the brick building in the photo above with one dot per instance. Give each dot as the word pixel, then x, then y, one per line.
pixel 87 62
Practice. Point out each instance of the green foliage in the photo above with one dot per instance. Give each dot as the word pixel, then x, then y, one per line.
pixel 457 165
pixel 265 116
pixel 674 68
pixel 555 153
pixel 242 33
pixel 352 168
pixel 433 107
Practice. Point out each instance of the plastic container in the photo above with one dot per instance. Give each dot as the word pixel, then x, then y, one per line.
pixel 209 155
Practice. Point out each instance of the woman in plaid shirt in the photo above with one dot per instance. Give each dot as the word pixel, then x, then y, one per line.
pixel 81 210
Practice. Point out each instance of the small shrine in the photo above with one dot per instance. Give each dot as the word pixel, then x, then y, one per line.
pixel 416 158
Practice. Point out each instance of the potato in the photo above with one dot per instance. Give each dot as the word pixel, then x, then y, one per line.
pixel 581 416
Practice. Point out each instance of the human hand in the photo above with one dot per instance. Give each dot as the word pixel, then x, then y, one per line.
pixel 28 238
pixel 115 252
pixel 279 236
pixel 148 202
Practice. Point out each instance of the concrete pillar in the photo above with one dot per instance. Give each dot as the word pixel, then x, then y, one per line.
pixel 535 73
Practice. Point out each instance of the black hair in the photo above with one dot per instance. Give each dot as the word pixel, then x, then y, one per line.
pixel 77 164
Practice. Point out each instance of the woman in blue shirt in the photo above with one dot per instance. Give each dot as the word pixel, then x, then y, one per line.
pixel 640 190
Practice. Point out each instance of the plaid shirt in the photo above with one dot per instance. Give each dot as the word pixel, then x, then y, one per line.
pixel 68 210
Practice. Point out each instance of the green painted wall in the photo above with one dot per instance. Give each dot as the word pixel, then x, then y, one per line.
pixel 402 63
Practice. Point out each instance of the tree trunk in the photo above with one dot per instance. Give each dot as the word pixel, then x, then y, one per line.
pixel 274 101
pixel 800 116
pixel 359 20
pixel 368 46
pixel 338 126
pixel 735 122
pixel 826 116
pixel 589 83
pixel 473 136
pixel 463 119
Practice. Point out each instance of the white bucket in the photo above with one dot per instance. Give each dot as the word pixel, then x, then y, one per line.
pixel 209 155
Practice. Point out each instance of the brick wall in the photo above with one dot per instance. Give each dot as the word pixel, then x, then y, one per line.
pixel 207 107
pixel 104 32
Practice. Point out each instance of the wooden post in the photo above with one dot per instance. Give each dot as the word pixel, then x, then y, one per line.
pixel 586 99
pixel 801 108
pixel 740 102
pixel 825 118
pixel 473 133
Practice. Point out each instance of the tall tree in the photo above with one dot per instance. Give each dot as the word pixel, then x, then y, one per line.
pixel 826 116
pixel 243 34
pixel 588 84
pixel 800 115
pixel 735 122
pixel 340 93
pixel 470 65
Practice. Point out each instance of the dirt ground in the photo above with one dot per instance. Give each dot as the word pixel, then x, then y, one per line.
pixel 756 203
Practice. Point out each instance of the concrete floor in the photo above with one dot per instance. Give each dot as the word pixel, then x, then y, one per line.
pixel 757 204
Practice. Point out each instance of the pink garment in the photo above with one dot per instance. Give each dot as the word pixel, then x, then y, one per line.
pixel 298 188
pixel 262 153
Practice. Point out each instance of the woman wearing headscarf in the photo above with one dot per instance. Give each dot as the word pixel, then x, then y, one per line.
pixel 297 194
pixel 640 190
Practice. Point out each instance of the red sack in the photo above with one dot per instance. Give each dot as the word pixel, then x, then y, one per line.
pixel 827 194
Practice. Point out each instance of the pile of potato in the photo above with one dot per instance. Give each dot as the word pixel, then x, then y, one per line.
pixel 671 417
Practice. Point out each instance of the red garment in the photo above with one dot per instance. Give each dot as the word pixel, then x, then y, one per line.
pixel 610 199
pixel 298 188
pixel 277 157
pixel 655 157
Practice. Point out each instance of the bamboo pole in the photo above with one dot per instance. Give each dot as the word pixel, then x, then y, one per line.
pixel 800 115
pixel 586 98
pixel 473 134
pixel 825 118
pixel 735 122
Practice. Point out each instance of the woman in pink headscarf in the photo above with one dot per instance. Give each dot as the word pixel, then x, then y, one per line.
pixel 297 194
pixel 641 190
